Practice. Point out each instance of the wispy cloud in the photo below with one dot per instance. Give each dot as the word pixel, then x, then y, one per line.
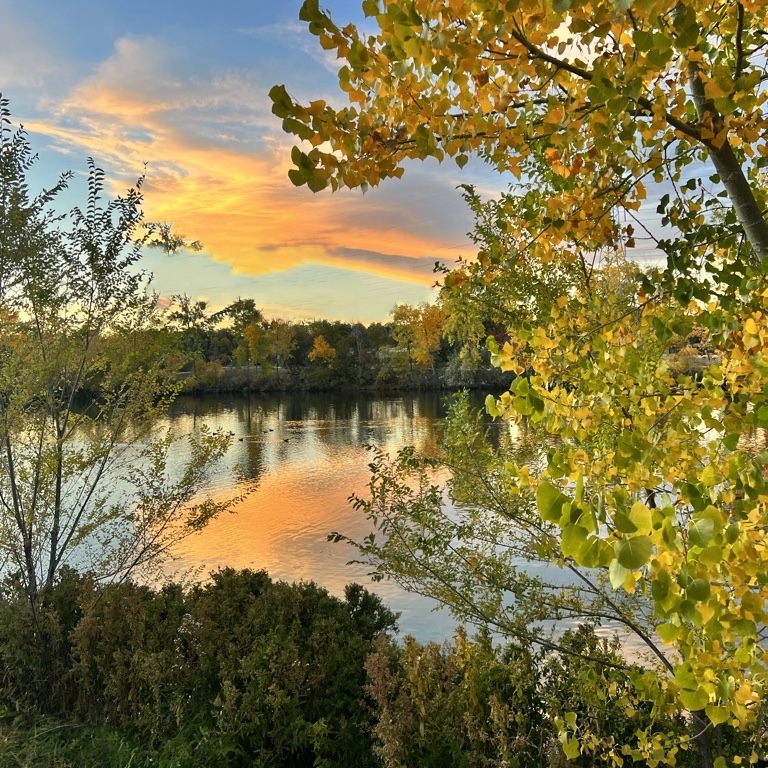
pixel 294 34
pixel 217 169
pixel 26 62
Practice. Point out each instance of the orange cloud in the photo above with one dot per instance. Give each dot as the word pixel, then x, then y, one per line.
pixel 217 169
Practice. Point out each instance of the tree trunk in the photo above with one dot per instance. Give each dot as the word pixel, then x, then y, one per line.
pixel 729 168
pixel 703 739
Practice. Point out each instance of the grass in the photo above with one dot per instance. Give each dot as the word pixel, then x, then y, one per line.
pixel 43 743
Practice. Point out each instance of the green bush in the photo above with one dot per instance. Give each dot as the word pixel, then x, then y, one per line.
pixel 244 671
pixel 239 671
pixel 469 705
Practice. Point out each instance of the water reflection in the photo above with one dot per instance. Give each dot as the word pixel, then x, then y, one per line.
pixel 306 454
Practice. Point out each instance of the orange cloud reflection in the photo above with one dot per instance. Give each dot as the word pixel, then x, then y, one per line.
pixel 302 496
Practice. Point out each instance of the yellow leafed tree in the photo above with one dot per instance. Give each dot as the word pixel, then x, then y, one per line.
pixel 590 104
pixel 322 350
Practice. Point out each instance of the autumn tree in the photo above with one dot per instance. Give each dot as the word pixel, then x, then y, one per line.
pixel 84 476
pixel 282 333
pixel 418 331
pixel 322 350
pixel 588 105
pixel 258 346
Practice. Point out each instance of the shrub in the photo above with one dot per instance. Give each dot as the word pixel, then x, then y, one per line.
pixel 239 671
pixel 466 704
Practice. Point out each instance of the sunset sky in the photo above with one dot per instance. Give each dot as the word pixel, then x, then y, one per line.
pixel 182 87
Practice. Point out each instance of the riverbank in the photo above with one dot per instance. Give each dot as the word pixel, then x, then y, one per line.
pixel 246 671
pixel 214 378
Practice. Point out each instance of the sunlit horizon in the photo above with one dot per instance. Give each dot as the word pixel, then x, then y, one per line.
pixel 178 93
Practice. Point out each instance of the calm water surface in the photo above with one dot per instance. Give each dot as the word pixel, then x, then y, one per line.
pixel 307 454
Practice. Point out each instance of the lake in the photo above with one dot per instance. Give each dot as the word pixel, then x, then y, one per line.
pixel 307 453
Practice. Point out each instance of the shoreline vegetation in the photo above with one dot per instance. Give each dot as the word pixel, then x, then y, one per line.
pixel 212 378
pixel 238 350
pixel 215 378
pixel 246 671
pixel 424 347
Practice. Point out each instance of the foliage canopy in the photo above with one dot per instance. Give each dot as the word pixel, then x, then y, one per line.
pixel 651 479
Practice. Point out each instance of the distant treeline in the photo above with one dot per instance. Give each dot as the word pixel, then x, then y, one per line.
pixel 238 349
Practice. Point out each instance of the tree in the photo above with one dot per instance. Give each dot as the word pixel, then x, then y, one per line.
pixel 504 285
pixel 258 344
pixel 194 325
pixel 604 95
pixel 190 314
pixel 649 481
pixel 322 350
pixel 283 343
pixel 241 313
pixel 85 479
pixel 417 329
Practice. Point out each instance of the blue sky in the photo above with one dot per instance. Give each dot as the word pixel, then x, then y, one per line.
pixel 183 87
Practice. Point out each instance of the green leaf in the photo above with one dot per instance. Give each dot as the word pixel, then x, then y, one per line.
pixel 573 541
pixel 520 386
pixel 296 127
pixel 623 524
pixel 698 590
pixel 685 677
pixel 688 612
pixel 700 532
pixel 617 573
pixel 550 501
pixel 694 700
pixel 310 11
pixel 633 553
pixel 718 715
pixel 708 476
pixel 596 553
pixel 282 103
pixel 641 517
pixel 686 27
pixel 662 331
pixel 668 632
pixel 297 178
pixel 571 748
pixel 462 160
pixel 556 466
pixel 317 183
pixel 523 406
pixel 643 40
pixel 661 585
